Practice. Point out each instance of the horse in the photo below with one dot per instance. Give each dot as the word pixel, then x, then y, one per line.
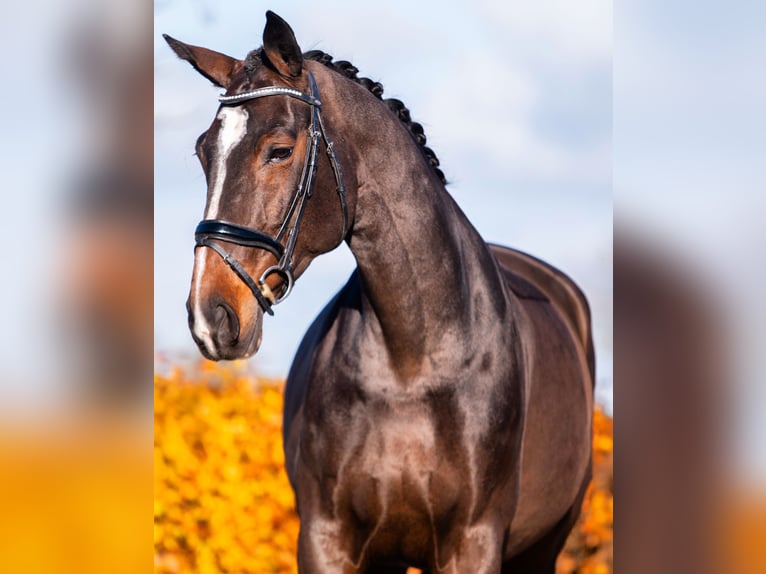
pixel 438 410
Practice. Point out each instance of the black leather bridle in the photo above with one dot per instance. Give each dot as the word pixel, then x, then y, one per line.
pixel 210 231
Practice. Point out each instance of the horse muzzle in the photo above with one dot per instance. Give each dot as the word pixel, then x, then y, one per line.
pixel 220 332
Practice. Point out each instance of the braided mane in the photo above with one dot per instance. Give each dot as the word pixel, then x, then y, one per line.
pixel 348 70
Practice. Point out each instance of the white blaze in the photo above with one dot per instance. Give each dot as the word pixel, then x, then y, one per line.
pixel 233 129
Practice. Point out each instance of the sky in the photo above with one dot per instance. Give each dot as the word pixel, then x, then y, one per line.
pixel 515 98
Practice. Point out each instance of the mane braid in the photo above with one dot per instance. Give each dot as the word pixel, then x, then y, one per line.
pixel 348 70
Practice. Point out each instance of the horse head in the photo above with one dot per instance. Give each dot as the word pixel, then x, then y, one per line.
pixel 261 163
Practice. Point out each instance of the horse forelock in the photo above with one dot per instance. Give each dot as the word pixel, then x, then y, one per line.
pixel 253 62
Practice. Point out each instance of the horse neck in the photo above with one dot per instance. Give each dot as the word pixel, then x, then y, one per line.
pixel 429 279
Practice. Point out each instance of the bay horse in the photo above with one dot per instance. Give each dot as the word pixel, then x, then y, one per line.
pixel 438 410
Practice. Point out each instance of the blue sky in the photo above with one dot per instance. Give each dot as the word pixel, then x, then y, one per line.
pixel 516 99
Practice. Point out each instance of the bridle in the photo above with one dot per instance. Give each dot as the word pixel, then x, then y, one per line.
pixel 210 231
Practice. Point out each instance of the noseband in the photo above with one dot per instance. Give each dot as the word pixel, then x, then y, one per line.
pixel 210 231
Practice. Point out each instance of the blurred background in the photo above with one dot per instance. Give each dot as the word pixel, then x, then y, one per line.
pixel 76 338
pixel 689 140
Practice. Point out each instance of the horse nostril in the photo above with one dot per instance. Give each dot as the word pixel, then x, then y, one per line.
pixel 189 315
pixel 227 324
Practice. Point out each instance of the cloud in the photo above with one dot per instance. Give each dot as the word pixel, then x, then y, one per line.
pixel 520 101
pixel 580 31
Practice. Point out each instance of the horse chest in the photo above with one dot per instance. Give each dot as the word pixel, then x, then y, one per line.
pixel 399 471
pixel 398 462
pixel 394 443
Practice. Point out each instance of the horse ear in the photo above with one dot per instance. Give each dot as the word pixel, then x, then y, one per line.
pixel 281 47
pixel 216 67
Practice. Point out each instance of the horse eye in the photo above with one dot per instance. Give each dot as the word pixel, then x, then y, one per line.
pixel 280 153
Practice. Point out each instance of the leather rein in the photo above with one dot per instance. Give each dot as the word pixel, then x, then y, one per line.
pixel 210 231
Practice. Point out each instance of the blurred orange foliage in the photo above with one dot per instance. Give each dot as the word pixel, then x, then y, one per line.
pixel 589 548
pixel 75 494
pixel 222 499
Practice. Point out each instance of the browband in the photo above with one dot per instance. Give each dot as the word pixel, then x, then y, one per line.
pixel 270 91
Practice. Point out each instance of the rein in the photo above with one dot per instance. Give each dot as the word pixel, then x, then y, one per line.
pixel 210 231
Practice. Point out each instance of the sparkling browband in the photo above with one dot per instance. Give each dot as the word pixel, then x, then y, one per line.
pixel 270 91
